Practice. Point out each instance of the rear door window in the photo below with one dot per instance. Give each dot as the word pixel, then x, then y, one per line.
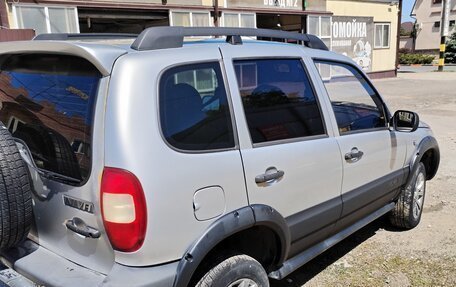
pixel 278 99
pixel 47 101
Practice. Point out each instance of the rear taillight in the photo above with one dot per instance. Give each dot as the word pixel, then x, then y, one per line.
pixel 124 209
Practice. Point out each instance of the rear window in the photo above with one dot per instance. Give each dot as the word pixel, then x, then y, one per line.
pixel 47 101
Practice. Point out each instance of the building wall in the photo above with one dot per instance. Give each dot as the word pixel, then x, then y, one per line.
pixel 406 43
pixel 383 59
pixel 221 3
pixel 381 11
pixel 427 14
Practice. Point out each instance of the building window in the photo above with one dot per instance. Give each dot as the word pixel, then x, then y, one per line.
pixel 437 24
pixel 452 23
pixel 382 35
pixel 245 20
pixel 246 75
pixel 320 26
pixel 436 1
pixel 190 19
pixel 45 19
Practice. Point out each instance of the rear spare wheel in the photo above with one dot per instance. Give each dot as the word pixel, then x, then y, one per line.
pixel 15 193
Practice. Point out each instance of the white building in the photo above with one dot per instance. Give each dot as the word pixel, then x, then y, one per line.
pixel 428 14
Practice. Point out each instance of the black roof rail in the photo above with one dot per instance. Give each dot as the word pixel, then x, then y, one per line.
pixel 156 38
pixel 84 36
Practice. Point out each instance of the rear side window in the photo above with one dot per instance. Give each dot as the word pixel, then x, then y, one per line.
pixel 278 99
pixel 47 101
pixel 194 111
pixel 356 105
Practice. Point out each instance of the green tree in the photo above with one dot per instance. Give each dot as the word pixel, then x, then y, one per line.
pixel 405 33
pixel 450 55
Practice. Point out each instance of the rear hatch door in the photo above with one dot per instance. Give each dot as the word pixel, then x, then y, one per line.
pixel 50 103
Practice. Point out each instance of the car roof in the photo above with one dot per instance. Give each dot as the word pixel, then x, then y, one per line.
pixel 103 53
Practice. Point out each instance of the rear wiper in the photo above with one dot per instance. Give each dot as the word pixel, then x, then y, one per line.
pixel 52 175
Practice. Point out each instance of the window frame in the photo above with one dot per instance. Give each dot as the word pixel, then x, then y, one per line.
pixel 190 13
pixel 46 13
pixel 319 17
pixel 382 24
pixel 220 64
pixel 195 82
pixel 314 90
pixel 239 15
pixel 385 110
pixel 241 87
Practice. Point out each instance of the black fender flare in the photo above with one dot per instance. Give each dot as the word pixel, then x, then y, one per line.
pixel 227 225
pixel 426 144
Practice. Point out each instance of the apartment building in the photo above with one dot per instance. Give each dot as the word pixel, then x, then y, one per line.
pixel 365 30
pixel 428 14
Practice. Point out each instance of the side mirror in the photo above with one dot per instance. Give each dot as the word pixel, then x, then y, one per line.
pixel 405 121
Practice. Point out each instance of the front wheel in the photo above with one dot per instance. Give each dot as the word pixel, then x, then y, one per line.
pixel 407 212
pixel 236 271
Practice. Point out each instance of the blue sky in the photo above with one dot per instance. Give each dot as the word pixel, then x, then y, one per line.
pixel 406 9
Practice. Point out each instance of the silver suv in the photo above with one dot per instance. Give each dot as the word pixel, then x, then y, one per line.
pixel 170 161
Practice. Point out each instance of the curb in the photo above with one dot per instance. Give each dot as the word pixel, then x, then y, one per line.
pixel 427 65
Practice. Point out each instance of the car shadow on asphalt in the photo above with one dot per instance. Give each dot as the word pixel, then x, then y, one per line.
pixel 321 262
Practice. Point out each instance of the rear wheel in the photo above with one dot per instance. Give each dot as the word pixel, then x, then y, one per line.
pixel 407 212
pixel 236 271
pixel 15 193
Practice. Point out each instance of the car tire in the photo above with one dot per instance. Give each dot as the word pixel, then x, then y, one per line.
pixel 239 270
pixel 15 193
pixel 409 207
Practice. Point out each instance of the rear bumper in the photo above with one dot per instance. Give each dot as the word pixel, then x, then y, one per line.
pixel 44 267
pixel 157 276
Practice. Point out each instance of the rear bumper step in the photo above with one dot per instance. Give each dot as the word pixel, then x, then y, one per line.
pixel 32 262
pixel 44 267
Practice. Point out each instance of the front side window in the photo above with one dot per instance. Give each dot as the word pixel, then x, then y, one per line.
pixel 355 103
pixel 47 101
pixel 194 111
pixel 278 99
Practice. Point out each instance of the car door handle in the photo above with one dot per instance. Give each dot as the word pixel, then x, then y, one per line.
pixel 80 227
pixel 354 155
pixel 271 174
